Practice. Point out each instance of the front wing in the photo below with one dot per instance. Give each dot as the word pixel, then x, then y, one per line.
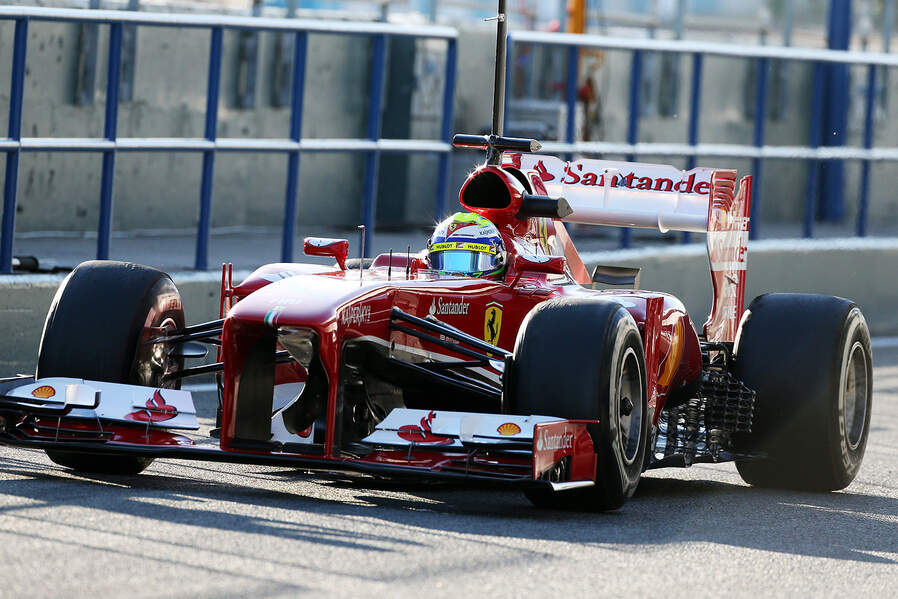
pixel 113 419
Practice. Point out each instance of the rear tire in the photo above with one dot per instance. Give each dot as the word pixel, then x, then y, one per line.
pixel 577 359
pixel 808 357
pixel 94 331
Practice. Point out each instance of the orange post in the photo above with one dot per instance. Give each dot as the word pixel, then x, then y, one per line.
pixel 576 12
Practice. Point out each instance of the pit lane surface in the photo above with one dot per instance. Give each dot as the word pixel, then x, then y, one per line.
pixel 209 530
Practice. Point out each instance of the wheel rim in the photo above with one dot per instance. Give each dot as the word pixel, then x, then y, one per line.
pixel 854 396
pixel 629 406
pixel 154 361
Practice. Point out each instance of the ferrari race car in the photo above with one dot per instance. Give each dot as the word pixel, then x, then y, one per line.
pixel 493 356
pixel 530 376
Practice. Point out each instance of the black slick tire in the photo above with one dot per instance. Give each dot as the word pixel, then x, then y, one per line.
pixel 94 331
pixel 573 359
pixel 808 357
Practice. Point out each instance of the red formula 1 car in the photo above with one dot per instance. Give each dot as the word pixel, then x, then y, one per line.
pixel 493 356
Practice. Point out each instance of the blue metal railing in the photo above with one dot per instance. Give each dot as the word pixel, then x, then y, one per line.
pixel 110 144
pixel 757 152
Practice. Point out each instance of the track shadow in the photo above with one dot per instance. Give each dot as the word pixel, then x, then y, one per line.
pixel 845 525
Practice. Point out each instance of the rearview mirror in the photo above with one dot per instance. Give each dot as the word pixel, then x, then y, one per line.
pixel 324 246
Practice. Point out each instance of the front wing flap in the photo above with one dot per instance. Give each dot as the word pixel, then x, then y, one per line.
pixel 455 430
pixel 550 450
pixel 498 449
pixel 81 399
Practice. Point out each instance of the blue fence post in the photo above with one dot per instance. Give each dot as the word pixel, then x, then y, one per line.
pixel 300 44
pixel 695 106
pixel 445 159
pixel 107 184
pixel 375 116
pixel 573 70
pixel 10 185
pixel 633 124
pixel 213 86
pixel 758 163
pixel 868 143
pixel 835 112
pixel 810 207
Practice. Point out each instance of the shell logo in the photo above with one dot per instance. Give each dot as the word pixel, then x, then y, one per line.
pixel 44 392
pixel 509 428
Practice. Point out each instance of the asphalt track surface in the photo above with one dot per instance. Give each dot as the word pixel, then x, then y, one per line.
pixel 207 530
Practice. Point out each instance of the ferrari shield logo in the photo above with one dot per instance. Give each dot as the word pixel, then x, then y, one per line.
pixel 492 323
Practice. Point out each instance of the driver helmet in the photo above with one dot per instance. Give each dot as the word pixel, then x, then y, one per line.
pixel 466 244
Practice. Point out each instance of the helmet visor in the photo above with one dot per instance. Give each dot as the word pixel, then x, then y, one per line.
pixel 463 261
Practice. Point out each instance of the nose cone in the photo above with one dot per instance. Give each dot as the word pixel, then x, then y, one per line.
pixel 305 300
pixel 314 301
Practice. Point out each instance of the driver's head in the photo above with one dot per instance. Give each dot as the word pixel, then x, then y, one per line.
pixel 466 244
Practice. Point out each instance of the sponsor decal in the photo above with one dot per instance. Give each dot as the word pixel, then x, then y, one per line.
pixel 509 428
pixel 459 307
pixel 492 323
pixel 547 442
pixel 422 433
pixel 455 226
pixel 156 411
pixel 543 172
pixel 728 249
pixel 460 245
pixel 355 315
pixel 574 174
pixel 44 392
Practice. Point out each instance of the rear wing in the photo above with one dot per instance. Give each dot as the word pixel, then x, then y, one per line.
pixel 657 196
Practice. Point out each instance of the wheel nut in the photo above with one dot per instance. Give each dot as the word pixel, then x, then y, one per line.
pixel 626 406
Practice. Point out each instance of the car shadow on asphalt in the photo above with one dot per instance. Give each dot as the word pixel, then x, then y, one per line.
pixel 173 500
pixel 844 525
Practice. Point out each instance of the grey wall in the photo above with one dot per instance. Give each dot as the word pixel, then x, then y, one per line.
pixel 864 270
pixel 24 300
pixel 60 191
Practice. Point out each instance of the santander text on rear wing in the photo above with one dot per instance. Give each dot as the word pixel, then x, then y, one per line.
pixel 657 196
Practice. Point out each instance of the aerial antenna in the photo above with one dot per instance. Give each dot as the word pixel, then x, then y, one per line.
pixel 499 75
pixel 361 253
pixel 496 143
pixel 408 262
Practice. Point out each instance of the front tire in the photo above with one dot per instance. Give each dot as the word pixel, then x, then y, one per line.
pixel 808 357
pixel 94 331
pixel 583 359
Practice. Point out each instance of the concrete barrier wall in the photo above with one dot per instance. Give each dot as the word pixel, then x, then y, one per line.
pixel 863 270
pixel 24 300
